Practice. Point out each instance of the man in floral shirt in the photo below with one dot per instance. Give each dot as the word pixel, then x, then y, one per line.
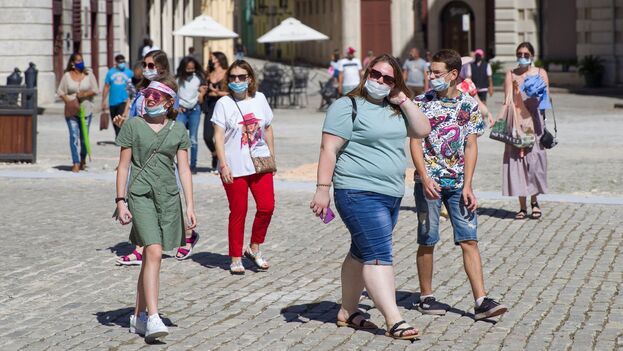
pixel 445 161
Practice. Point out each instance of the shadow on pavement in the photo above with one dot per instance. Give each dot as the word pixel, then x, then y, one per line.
pixel 121 249
pixel 211 260
pixel 495 213
pixel 121 318
pixel 63 168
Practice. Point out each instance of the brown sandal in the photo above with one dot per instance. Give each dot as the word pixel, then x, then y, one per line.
pixel 522 214
pixel 398 333
pixel 535 214
pixel 350 322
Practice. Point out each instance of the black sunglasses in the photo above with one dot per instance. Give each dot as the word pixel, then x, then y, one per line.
pixel 150 65
pixel 524 55
pixel 241 77
pixel 374 74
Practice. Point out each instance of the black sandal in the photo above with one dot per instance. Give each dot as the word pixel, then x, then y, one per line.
pixel 522 214
pixel 363 323
pixel 535 214
pixel 401 331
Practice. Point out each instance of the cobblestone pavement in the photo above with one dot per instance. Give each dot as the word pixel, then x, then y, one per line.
pixel 561 276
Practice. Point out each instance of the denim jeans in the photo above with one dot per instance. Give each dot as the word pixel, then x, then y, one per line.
pixel 370 218
pixel 464 222
pixel 191 119
pixel 76 139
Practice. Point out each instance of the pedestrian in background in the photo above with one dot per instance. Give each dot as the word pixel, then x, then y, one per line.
pixel 524 171
pixel 363 154
pixel 192 90
pixel 217 88
pixel 240 50
pixel 445 161
pixel 116 84
pixel 77 89
pixel 149 145
pixel 368 59
pixel 334 67
pixel 414 72
pixel 242 128
pixel 350 72
pixel 480 72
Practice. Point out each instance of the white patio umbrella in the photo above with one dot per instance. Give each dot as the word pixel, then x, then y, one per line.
pixel 206 27
pixel 293 30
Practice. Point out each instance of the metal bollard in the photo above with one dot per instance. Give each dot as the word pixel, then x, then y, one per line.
pixel 30 78
pixel 14 79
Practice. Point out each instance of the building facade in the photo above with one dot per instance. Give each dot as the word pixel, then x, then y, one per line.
pixel 47 32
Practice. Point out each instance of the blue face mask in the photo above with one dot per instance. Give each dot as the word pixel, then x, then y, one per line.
pixel 121 66
pixel 155 111
pixel 522 61
pixel 79 66
pixel 150 73
pixel 240 87
pixel 439 84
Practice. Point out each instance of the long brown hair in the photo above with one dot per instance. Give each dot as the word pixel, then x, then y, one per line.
pixel 160 60
pixel 247 67
pixel 400 85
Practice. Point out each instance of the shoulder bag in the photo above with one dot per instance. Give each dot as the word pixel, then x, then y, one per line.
pixel 547 139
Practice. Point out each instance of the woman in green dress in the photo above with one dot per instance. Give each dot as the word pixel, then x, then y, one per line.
pixel 149 145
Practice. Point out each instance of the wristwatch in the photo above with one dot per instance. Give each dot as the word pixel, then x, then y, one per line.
pixel 117 199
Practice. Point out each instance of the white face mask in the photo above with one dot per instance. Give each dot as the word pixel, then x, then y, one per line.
pixel 377 90
pixel 150 73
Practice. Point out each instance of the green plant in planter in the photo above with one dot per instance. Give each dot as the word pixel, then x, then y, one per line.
pixel 592 68
pixel 498 76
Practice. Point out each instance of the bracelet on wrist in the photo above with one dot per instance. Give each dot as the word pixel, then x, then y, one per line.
pixel 403 101
pixel 323 185
pixel 117 199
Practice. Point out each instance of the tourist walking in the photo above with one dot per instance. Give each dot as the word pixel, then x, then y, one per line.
pixel 414 72
pixel 217 88
pixel 149 146
pixel 480 72
pixel 524 171
pixel 445 163
pixel 244 142
pixel 192 90
pixel 156 68
pixel 363 154
pixel 116 89
pixel 77 89
pixel 350 72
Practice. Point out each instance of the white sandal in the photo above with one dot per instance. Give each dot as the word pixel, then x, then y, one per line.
pixel 256 259
pixel 236 268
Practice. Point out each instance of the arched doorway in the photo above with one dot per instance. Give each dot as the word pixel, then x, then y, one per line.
pixel 452 34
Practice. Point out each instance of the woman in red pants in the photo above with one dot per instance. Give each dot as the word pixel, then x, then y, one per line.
pixel 242 135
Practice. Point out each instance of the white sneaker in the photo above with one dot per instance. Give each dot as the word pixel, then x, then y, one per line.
pixel 138 325
pixel 155 328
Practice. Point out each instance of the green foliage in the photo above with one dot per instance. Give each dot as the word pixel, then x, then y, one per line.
pixel 495 66
pixel 591 66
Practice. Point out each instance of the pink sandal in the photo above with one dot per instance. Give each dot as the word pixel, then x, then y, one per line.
pixel 194 238
pixel 128 261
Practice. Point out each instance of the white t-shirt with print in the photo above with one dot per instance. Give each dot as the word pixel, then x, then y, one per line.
pixel 351 68
pixel 242 140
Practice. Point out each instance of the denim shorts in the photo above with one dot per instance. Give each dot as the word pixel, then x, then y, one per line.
pixel 370 218
pixel 464 222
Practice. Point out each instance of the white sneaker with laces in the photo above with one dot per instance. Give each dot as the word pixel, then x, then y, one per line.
pixel 155 328
pixel 138 325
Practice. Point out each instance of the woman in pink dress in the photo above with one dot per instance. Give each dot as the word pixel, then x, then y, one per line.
pixel 524 171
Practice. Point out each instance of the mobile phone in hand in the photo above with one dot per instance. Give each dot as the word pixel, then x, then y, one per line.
pixel 329 217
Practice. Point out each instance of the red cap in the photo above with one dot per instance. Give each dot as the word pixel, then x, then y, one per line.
pixel 350 50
